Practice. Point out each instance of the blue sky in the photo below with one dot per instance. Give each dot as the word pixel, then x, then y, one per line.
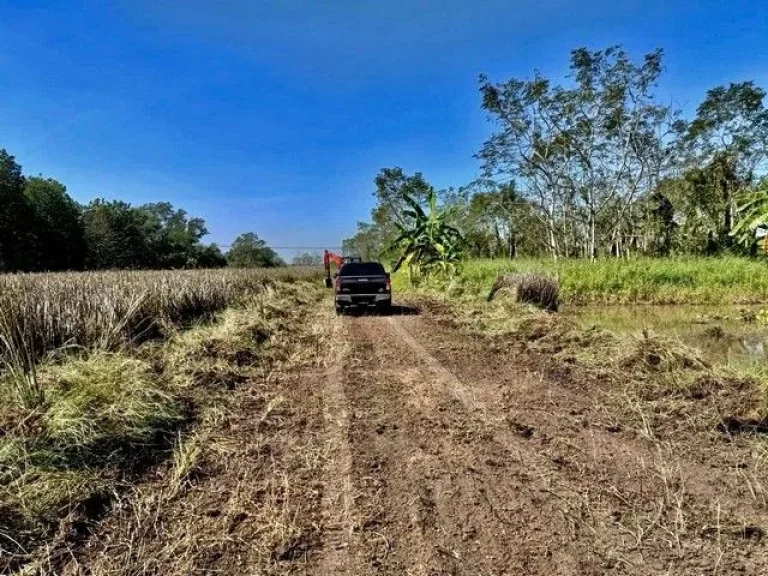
pixel 274 116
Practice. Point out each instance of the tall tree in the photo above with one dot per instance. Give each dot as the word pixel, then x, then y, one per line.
pixel 585 153
pixel 173 239
pixel 18 242
pixel 249 251
pixel 393 188
pixel 114 236
pixel 374 240
pixel 209 256
pixel 724 146
pixel 58 225
pixel 368 242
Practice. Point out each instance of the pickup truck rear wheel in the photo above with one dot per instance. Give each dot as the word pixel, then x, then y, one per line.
pixel 339 309
pixel 384 307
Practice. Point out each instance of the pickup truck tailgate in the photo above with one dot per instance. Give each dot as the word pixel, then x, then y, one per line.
pixel 362 284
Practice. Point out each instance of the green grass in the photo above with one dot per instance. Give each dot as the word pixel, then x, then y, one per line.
pixel 643 280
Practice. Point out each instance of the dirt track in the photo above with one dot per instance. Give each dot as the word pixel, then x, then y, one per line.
pixel 466 458
pixel 423 451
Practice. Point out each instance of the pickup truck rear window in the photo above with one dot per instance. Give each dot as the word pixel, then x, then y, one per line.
pixel 362 269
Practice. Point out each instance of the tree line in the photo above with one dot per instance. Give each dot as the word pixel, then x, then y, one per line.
pixel 43 229
pixel 597 165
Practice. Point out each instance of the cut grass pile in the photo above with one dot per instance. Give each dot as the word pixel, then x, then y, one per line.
pixel 533 289
pixel 103 419
pixel 105 404
pixel 642 280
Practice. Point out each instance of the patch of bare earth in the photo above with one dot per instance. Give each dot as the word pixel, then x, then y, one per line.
pixel 437 491
pixel 647 491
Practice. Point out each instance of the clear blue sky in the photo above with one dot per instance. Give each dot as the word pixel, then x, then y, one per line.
pixel 274 116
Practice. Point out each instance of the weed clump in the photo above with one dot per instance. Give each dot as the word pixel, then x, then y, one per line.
pixel 535 289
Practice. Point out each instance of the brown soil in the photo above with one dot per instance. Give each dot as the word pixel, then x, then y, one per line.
pixel 423 450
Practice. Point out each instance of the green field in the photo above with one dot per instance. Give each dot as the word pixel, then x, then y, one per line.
pixel 643 280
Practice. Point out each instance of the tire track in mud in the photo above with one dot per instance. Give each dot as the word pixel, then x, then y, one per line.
pixel 439 492
pixel 337 496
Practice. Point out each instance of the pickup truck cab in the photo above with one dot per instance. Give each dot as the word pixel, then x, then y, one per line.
pixel 362 284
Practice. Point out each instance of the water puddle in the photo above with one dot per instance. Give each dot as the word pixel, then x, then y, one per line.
pixel 730 335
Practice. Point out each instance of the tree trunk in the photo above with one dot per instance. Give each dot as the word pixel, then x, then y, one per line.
pixel 592 235
pixel 728 214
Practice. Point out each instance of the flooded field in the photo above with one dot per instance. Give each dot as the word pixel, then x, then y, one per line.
pixel 734 336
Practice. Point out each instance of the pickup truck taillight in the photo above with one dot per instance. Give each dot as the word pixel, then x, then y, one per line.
pixel 389 285
pixel 338 283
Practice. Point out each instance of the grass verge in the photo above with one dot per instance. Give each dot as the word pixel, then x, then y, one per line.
pixel 106 419
pixel 241 493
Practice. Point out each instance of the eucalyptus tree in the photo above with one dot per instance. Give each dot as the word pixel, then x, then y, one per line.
pixel 582 154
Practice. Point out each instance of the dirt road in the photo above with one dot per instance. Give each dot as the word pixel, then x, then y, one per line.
pixel 420 450
pixel 464 457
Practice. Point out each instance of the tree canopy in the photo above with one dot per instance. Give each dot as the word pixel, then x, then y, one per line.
pixel 595 164
pixel 248 251
pixel 43 229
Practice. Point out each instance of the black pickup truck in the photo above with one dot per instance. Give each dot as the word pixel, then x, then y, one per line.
pixel 362 284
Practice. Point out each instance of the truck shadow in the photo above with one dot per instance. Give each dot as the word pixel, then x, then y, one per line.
pixel 394 310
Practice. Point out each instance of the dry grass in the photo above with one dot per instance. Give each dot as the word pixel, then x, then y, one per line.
pixel 675 410
pixel 670 380
pixel 105 418
pixel 40 313
pixel 533 289
pixel 242 485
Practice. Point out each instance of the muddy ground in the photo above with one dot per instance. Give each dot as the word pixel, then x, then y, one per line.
pixel 418 449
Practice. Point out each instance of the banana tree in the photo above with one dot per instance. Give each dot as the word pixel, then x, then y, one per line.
pixel 752 211
pixel 430 243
